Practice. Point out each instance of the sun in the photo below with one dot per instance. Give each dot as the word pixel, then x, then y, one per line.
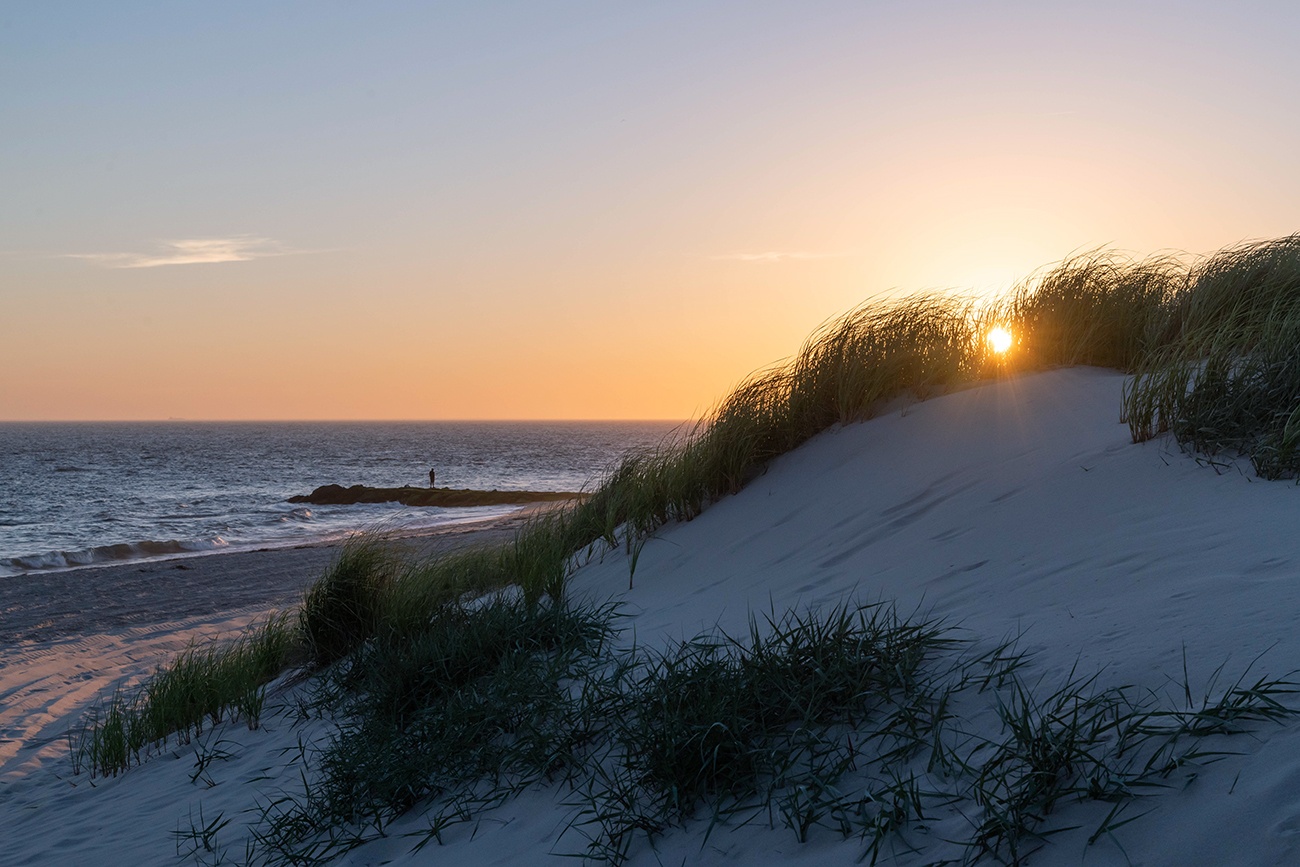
pixel 999 339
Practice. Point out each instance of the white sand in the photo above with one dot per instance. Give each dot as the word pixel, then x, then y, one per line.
pixel 1018 507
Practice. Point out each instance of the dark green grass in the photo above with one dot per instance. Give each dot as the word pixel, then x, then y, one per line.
pixel 1227 376
pixel 201 687
pixel 849 722
pixel 475 700
pixel 762 726
pixel 342 608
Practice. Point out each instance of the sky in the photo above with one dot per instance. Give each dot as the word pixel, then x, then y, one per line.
pixel 528 210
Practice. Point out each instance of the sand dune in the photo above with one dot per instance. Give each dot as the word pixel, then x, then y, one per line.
pixel 1019 508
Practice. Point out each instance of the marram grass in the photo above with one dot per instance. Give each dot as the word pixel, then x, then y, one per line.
pixel 847 723
pixel 1227 378
pixel 1212 347
pixel 202 686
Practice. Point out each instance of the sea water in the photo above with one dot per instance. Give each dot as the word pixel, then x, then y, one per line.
pixel 91 493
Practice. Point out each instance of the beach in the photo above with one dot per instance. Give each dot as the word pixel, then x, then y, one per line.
pixel 1016 511
pixel 44 606
pixel 67 637
pixel 103 494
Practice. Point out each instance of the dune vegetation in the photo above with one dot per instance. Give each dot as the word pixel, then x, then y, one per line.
pixel 457 682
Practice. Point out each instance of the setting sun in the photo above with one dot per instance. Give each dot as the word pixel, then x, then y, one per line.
pixel 999 339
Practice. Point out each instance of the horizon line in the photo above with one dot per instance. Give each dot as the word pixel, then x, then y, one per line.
pixel 176 420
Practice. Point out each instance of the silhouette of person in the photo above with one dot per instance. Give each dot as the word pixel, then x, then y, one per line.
pixel 431 478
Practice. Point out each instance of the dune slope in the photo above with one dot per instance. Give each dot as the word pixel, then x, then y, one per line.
pixel 1017 508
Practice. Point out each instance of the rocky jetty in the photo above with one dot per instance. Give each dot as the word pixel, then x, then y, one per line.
pixel 337 495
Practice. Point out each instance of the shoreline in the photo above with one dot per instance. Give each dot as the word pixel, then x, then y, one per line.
pixel 67 637
pixel 138 552
pixel 47 606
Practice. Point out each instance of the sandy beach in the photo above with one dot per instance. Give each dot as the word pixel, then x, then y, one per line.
pixel 65 637
pixel 44 606
pixel 1020 510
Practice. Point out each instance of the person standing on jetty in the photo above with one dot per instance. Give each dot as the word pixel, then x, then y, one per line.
pixel 431 472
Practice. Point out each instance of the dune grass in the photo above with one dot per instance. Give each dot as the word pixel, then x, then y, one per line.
pixel 848 722
pixel 1211 344
pixel 1226 376
pixel 202 686
pixel 478 693
pixel 341 609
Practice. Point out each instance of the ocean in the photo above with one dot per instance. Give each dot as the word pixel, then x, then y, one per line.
pixel 79 494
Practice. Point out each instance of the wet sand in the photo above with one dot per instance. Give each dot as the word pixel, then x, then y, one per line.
pixel 68 637
pixel 50 606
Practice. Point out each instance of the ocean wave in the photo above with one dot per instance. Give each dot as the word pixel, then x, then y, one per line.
pixel 73 470
pixel 300 526
pixel 120 552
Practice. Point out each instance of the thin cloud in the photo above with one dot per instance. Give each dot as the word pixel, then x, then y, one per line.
pixel 777 256
pixel 192 251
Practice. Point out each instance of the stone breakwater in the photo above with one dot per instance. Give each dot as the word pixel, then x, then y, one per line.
pixel 337 495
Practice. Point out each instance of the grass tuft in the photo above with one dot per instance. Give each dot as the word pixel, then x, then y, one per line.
pixel 847 722
pixel 201 687
pixel 1227 376
pixel 341 609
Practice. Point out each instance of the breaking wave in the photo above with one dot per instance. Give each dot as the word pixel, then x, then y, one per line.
pixel 105 554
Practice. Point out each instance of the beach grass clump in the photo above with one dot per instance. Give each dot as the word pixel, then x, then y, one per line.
pixel 703 713
pixel 846 372
pixel 1074 742
pixel 202 686
pixel 1247 404
pixel 372 595
pixel 1098 309
pixel 479 694
pixel 1084 742
pixel 341 609
pixel 1237 290
pixel 755 726
pixel 1227 379
pixel 852 722
pixel 855 364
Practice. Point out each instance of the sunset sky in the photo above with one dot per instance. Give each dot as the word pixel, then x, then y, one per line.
pixel 328 210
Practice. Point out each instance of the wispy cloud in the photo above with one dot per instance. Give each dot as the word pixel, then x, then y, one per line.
pixel 192 251
pixel 777 256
